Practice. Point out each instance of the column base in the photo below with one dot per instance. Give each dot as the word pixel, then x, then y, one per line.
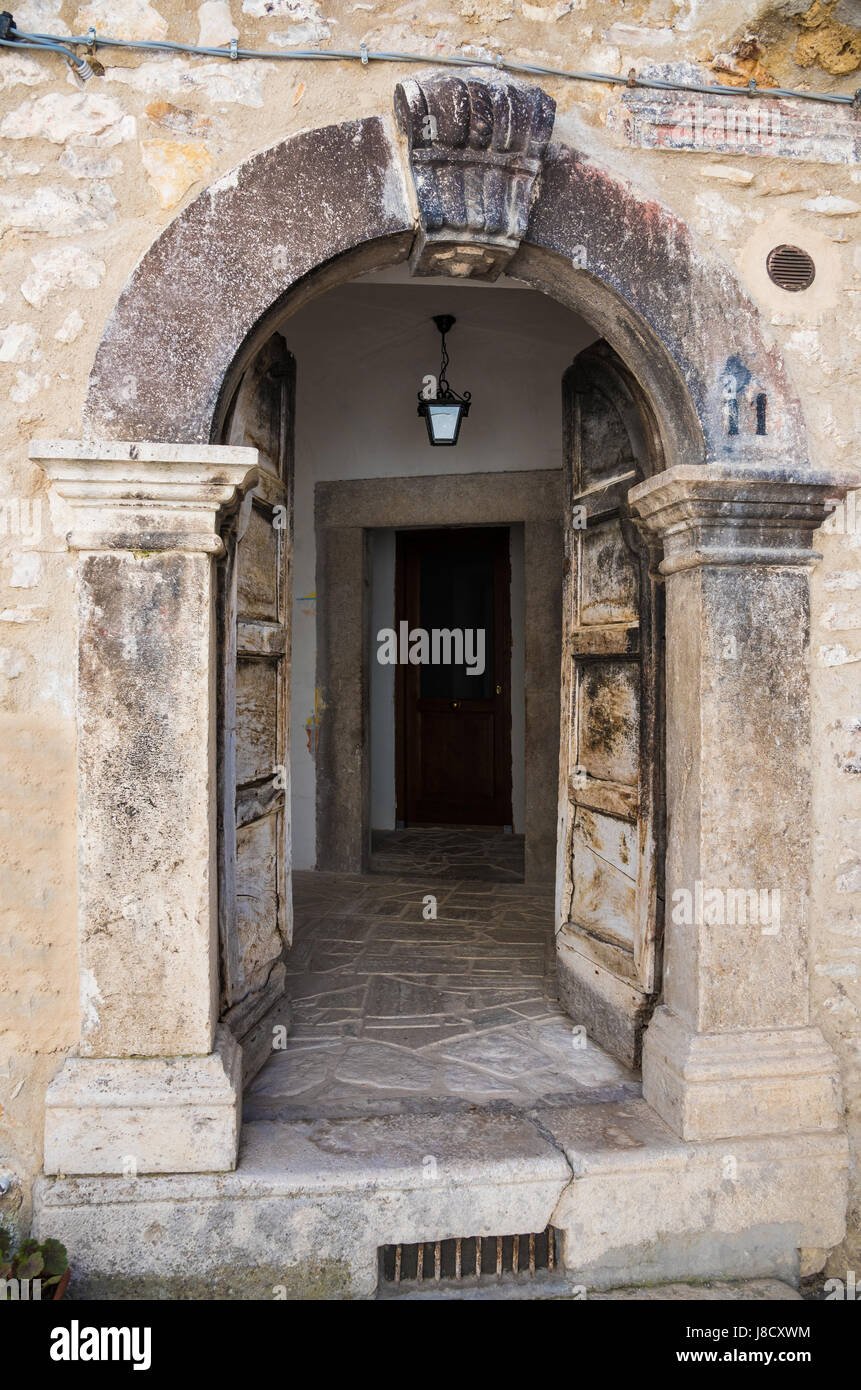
pixel 725 1085
pixel 134 1115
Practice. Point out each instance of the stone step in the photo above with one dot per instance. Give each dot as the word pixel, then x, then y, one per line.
pixel 312 1202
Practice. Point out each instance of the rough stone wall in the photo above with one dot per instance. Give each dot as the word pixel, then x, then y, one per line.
pixel 89 177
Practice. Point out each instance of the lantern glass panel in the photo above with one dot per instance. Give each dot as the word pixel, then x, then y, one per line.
pixel 443 422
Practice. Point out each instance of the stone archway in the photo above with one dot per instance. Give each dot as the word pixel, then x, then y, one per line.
pixel 474 187
pixel 325 205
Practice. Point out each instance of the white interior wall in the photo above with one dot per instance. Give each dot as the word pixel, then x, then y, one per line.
pixel 361 352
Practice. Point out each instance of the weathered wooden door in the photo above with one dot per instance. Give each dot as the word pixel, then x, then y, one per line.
pixel 255 909
pixel 609 889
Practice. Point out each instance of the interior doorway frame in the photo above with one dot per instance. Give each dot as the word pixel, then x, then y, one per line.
pixel 345 512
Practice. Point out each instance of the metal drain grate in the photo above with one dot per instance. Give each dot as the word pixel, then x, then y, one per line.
pixel 790 267
pixel 468 1259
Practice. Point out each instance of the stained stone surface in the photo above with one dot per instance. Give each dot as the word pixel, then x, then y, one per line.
pixel 393 1013
pixel 452 851
pixel 720 1291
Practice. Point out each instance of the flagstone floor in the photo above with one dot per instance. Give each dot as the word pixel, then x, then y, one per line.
pixel 461 852
pixel 395 1013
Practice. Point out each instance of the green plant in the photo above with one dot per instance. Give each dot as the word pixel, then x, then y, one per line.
pixel 46 1261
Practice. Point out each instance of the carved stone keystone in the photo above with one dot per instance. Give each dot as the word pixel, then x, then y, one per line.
pixel 476 145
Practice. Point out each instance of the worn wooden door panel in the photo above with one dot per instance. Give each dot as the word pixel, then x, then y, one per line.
pixel 609 577
pixel 603 900
pixel 607 727
pixel 610 815
pixel 255 908
pixel 257 584
pixel 258 847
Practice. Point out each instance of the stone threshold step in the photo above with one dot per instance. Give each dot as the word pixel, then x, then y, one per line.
pixel 311 1203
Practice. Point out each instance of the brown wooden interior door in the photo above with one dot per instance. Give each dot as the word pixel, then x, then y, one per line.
pixel 454 728
pixel 609 886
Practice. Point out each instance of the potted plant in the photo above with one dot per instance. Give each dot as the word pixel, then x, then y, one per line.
pixel 44 1261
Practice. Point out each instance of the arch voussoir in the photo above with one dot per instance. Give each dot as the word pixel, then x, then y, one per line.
pixel 475 189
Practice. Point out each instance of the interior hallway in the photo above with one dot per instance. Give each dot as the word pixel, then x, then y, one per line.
pixel 393 1013
pixel 448 851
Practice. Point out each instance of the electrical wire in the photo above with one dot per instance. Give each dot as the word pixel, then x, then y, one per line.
pixel 92 40
pixel 46 45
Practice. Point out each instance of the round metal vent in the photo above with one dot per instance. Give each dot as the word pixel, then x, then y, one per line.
pixel 790 267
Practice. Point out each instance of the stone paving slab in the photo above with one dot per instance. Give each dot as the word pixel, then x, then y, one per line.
pixel 458 852
pixel 447 1013
pixel 390 1151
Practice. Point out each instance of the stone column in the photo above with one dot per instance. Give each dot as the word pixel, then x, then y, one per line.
pixel 731 1050
pixel 155 1087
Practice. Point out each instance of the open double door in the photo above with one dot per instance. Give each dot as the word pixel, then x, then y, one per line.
pixel 610 831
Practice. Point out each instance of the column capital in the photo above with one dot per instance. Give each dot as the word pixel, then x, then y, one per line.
pixel 142 495
pixel 722 514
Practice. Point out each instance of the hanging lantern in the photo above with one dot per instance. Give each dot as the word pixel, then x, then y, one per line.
pixel 444 411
